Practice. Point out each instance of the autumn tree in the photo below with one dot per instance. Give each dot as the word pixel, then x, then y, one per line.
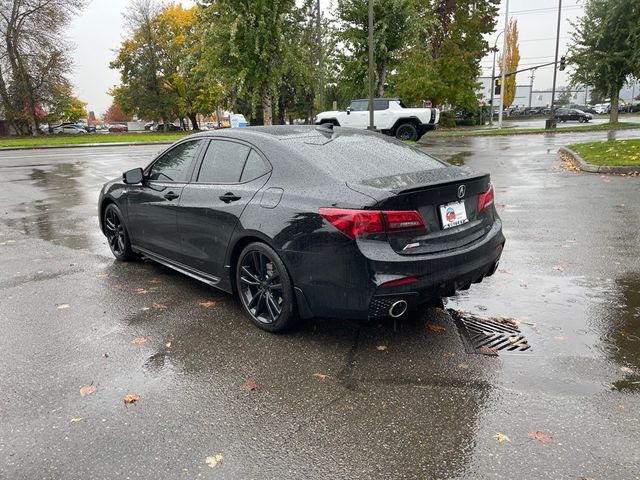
pixel 605 49
pixel 34 61
pixel 440 59
pixel 115 114
pixel 511 61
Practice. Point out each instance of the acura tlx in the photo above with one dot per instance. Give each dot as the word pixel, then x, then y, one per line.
pixel 304 221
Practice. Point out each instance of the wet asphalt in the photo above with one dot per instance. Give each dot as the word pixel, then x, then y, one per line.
pixel 335 399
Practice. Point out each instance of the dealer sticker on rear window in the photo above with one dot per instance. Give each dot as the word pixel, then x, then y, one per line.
pixel 453 214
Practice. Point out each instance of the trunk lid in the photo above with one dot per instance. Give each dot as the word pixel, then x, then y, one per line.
pixel 447 200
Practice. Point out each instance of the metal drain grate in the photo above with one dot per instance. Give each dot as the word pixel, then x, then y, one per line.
pixel 489 336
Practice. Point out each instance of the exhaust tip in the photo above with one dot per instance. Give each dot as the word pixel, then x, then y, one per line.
pixel 398 309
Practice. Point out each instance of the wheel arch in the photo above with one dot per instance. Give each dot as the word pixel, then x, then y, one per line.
pixel 247 237
pixel 106 201
pixel 333 121
pixel 401 121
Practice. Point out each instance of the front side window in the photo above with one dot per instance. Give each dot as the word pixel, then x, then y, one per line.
pixel 359 105
pixel 223 162
pixel 174 165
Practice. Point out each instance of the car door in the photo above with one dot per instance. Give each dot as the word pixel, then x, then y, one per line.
pixel 382 114
pixel 357 117
pixel 228 176
pixel 152 206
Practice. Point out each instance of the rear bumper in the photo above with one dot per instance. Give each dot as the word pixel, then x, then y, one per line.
pixel 348 283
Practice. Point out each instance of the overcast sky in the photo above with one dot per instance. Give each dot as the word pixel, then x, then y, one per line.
pixel 98 31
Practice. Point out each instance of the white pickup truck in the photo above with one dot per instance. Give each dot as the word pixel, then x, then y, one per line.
pixel 391 117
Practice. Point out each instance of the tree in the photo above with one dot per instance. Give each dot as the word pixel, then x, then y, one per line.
pixel 247 48
pixel 115 114
pixel 511 62
pixel 33 58
pixel 605 49
pixel 564 97
pixel 441 59
pixel 390 36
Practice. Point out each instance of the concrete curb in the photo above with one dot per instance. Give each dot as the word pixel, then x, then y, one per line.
pixel 587 167
pixel 82 145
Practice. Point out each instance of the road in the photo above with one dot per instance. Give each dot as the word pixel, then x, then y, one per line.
pixel 519 122
pixel 423 408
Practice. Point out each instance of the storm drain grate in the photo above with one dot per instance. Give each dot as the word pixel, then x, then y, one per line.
pixel 489 336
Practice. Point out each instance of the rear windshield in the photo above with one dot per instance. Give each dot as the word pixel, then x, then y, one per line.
pixel 355 158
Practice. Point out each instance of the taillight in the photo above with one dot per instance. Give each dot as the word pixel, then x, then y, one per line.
pixel 485 200
pixel 360 223
pixel 401 281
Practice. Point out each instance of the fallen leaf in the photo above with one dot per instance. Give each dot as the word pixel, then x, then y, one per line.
pixel 117 285
pixel 75 419
pixel 488 351
pixel 131 398
pixel 62 306
pixel 168 344
pixel 558 268
pixel 207 304
pixel 514 339
pixel 155 280
pixel 214 461
pixel 250 385
pixel 626 369
pixel 146 309
pixel 540 436
pixel 160 306
pixel 87 390
pixel 523 284
pixel 102 275
pixel 501 437
pixel 463 365
pixel 436 328
pixel 142 291
pixel 381 348
pixel 321 376
pixel 139 340
pixel 105 354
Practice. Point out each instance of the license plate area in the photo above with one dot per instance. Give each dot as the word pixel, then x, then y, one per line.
pixel 453 214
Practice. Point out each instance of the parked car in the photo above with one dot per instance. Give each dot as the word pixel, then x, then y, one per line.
pixel 602 108
pixel 304 221
pixel 567 114
pixel 89 128
pixel 70 128
pixel 391 117
pixel 118 128
pixel 171 127
pixel 632 107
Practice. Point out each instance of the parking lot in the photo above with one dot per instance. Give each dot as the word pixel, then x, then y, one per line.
pixel 219 398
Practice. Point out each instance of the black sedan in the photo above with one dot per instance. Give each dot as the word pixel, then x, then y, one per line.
pixel 565 114
pixel 308 221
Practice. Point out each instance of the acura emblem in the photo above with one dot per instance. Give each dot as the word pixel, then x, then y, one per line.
pixel 461 191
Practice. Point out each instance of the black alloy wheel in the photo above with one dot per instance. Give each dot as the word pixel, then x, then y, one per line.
pixel 264 288
pixel 116 233
pixel 407 131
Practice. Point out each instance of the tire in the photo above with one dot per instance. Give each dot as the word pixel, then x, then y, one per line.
pixel 117 234
pixel 407 131
pixel 270 305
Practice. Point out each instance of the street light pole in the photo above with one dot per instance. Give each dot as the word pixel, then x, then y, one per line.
pixel 504 64
pixel 320 58
pixel 533 73
pixel 493 75
pixel 555 67
pixel 371 67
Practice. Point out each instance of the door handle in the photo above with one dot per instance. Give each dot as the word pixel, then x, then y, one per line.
pixel 171 196
pixel 229 197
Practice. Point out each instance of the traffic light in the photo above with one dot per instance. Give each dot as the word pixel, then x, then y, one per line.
pixel 498 86
pixel 563 63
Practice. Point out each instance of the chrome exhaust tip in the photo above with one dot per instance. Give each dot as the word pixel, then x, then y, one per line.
pixel 398 309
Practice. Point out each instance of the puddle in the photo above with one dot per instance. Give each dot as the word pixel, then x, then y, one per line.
pixel 458 158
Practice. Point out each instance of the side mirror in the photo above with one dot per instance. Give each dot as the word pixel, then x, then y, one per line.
pixel 132 177
pixel 348 110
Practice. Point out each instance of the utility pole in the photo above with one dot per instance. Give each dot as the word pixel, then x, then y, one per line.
pixel 493 76
pixel 555 67
pixel 371 67
pixel 320 57
pixel 504 64
pixel 533 72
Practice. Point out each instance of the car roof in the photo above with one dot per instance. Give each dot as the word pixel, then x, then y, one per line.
pixel 397 99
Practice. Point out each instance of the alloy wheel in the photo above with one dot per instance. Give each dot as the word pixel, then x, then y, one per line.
pixel 260 287
pixel 115 233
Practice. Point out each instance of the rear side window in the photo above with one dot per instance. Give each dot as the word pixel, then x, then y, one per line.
pixel 380 104
pixel 223 162
pixel 254 168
